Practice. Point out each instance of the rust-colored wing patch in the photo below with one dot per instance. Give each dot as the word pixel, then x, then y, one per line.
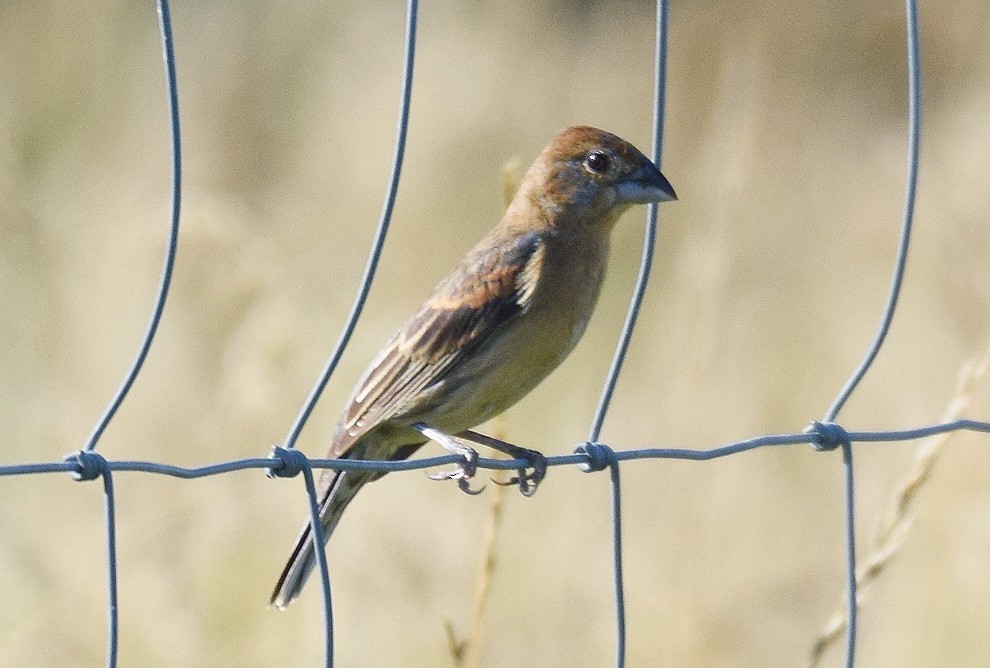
pixel 486 291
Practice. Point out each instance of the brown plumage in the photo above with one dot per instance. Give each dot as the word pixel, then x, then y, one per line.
pixel 507 315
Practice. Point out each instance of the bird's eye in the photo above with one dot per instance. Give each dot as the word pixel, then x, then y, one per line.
pixel 597 162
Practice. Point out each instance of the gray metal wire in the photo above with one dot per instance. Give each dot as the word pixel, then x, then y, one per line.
pixel 649 235
pixel 897 280
pixel 90 465
pixel 580 458
pixel 96 466
pixel 629 325
pixel 910 190
pixel 378 243
pixel 364 287
pixel 590 456
pixel 85 467
pixel 168 54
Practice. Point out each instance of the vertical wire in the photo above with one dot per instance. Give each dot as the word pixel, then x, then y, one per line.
pixel 321 560
pixel 914 141
pixel 911 184
pixel 649 237
pixel 852 609
pixel 382 230
pixel 168 54
pixel 113 613
pixel 620 598
pixel 632 315
pixel 364 288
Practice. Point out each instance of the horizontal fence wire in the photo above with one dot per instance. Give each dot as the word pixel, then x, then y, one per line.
pixel 88 465
pixel 285 461
pixel 819 435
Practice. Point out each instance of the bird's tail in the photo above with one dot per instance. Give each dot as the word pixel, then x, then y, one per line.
pixel 337 490
pixel 340 491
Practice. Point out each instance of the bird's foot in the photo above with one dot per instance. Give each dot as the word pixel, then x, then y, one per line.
pixel 463 472
pixel 527 482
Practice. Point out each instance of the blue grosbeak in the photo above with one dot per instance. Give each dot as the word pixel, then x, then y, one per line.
pixel 506 317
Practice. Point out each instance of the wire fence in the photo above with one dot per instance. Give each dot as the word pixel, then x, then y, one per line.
pixel 285 461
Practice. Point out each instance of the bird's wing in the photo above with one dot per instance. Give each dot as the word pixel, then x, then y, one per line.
pixel 484 293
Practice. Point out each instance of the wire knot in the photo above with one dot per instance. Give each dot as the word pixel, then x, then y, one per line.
pixel 599 455
pixel 89 465
pixel 827 436
pixel 293 462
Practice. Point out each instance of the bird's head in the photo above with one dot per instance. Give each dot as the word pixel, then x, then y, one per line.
pixel 587 176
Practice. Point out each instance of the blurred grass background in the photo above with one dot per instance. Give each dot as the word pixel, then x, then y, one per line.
pixel 786 142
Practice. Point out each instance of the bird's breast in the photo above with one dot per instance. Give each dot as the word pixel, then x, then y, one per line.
pixel 565 296
pixel 527 349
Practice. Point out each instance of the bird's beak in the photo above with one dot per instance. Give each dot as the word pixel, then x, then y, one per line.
pixel 646 185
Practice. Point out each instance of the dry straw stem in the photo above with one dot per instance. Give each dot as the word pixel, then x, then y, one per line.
pixel 467 653
pixel 894 527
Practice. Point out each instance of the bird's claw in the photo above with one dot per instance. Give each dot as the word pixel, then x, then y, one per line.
pixel 528 482
pixel 465 470
pixel 462 473
pixel 464 484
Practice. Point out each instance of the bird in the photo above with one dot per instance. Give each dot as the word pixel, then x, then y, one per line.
pixel 507 315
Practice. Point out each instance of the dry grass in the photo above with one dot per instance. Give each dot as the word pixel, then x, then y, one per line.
pixel 785 141
pixel 895 526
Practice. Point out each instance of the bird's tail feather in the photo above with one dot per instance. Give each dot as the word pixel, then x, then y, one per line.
pixel 342 488
pixel 338 493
